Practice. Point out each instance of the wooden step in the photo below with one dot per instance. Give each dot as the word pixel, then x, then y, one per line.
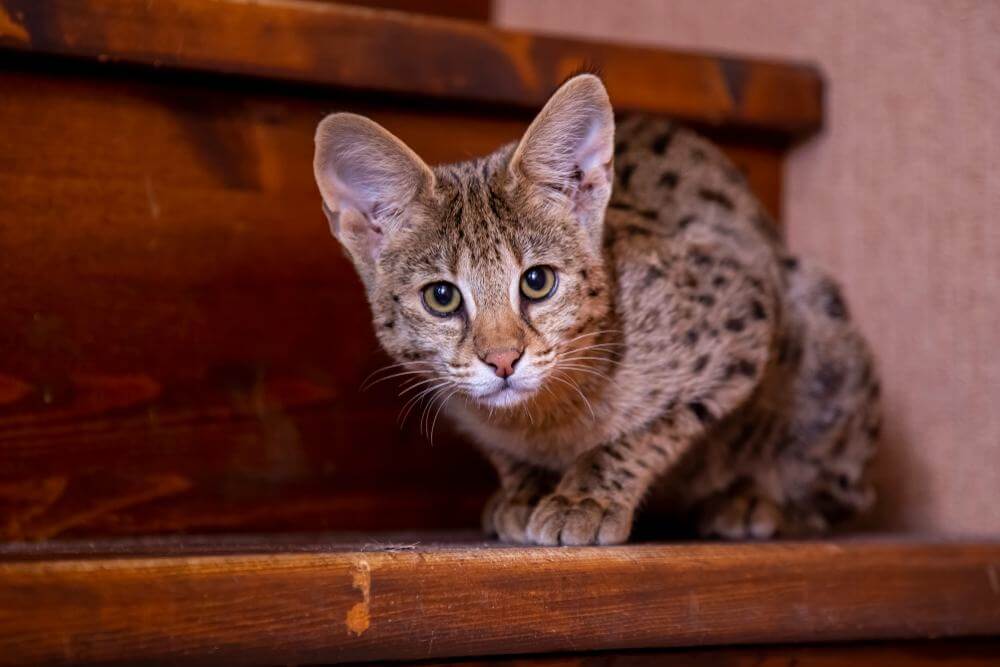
pixel 309 599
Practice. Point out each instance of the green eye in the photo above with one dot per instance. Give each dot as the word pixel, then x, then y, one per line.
pixel 442 298
pixel 538 282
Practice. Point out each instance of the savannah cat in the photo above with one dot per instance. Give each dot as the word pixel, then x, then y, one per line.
pixel 607 313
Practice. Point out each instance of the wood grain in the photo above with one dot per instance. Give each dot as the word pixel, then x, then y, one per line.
pixel 362 49
pixel 954 653
pixel 405 600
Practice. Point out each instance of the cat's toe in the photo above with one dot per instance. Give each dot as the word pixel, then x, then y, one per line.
pixel 511 521
pixel 507 517
pixel 577 522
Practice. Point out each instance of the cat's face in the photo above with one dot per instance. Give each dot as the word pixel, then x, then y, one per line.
pixel 482 276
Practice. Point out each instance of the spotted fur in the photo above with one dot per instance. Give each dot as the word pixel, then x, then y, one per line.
pixel 684 350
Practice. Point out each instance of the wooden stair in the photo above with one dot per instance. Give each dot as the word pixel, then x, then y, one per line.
pixel 313 599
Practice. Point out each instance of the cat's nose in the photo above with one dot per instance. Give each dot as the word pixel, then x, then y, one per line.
pixel 502 361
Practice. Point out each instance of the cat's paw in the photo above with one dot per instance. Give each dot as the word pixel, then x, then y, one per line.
pixel 506 516
pixel 745 516
pixel 559 519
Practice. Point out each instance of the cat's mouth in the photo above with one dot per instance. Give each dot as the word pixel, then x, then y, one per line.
pixel 506 395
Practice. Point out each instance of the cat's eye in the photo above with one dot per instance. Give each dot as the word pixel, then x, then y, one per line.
pixel 442 298
pixel 538 282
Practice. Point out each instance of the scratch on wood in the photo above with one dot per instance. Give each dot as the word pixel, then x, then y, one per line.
pixel 358 619
pixel 10 29
pixel 154 206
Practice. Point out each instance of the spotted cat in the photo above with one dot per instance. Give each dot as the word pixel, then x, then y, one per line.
pixel 608 313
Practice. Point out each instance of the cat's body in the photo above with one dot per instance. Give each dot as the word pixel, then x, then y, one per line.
pixel 679 348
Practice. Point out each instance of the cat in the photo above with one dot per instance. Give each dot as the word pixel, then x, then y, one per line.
pixel 606 313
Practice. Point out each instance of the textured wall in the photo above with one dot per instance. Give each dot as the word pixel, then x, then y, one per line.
pixel 899 196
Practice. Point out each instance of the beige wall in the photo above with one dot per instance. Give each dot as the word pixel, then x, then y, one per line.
pixel 900 196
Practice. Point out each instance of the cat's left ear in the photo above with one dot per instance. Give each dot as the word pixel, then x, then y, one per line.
pixel 566 154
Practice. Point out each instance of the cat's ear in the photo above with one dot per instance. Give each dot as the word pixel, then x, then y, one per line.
pixel 566 154
pixel 367 178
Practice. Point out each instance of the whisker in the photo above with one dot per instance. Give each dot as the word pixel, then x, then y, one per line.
pixel 425 417
pixel 371 381
pixel 414 385
pixel 590 371
pixel 568 381
pixel 434 423
pixel 593 333
pixel 415 399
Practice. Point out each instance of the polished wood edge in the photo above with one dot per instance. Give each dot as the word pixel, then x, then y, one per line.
pixel 412 600
pixel 420 56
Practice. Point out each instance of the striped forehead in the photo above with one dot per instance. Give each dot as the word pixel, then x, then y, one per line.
pixel 476 216
pixel 483 249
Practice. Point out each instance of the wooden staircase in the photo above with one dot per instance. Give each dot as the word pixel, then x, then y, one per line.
pixel 181 347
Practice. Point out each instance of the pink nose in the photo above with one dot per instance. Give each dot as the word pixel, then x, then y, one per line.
pixel 502 361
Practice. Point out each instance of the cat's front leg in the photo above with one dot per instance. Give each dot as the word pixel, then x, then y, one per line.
pixel 595 501
pixel 522 485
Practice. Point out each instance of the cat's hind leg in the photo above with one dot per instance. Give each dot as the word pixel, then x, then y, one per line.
pixel 746 512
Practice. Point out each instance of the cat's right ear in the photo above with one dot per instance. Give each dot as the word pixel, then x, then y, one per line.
pixel 367 178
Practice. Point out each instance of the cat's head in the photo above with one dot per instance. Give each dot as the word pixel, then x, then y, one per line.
pixel 482 275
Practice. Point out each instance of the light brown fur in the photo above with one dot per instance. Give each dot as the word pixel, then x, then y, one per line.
pixel 683 350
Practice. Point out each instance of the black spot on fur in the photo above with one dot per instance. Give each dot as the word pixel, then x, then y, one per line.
pixel 790 263
pixel 659 450
pixel 593 292
pixel 720 281
pixel 625 174
pixel 700 363
pixel 716 197
pixel 686 221
pixel 735 324
pixel 613 453
pixel 698 155
pixel 691 337
pixel 669 179
pixel 653 274
pixel 662 142
pixel 388 325
pixel 741 367
pixel 706 299
pixel 757 310
pixel 650 214
pixel 620 147
pixel 828 380
pixel 833 302
pixel 701 258
pixel 700 411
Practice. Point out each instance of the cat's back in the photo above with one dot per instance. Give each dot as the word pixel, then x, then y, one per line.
pixel 671 176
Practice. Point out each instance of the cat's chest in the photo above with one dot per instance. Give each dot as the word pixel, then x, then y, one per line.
pixel 554 447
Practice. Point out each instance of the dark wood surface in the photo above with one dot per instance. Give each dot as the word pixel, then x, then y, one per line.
pixel 469 10
pixel 409 598
pixel 953 653
pixel 370 50
pixel 182 343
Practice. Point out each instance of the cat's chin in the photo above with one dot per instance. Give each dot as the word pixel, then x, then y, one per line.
pixel 504 397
